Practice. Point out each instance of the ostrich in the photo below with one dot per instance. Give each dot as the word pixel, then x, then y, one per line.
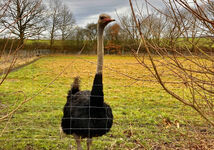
pixel 86 115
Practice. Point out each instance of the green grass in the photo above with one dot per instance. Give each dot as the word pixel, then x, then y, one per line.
pixel 181 42
pixel 39 41
pixel 139 108
pixel 200 42
pixel 47 42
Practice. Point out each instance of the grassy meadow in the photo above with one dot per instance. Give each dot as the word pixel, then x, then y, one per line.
pixel 182 43
pixel 145 117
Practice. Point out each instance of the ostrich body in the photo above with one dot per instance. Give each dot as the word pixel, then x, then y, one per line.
pixel 85 113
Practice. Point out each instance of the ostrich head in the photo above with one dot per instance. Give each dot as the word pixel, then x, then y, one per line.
pixel 104 19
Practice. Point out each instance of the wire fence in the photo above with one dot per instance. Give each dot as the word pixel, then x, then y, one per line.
pixel 143 113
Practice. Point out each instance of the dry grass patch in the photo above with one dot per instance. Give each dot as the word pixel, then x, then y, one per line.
pixel 6 61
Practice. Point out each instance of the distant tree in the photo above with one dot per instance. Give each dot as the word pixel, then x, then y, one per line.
pixel 53 19
pixel 113 32
pixel 128 28
pixel 66 22
pixel 78 37
pixel 194 31
pixel 113 45
pixel 208 26
pixel 91 31
pixel 176 26
pixel 153 26
pixel 3 8
pixel 23 18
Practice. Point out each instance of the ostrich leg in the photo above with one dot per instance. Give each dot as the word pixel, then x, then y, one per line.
pixel 78 141
pixel 89 142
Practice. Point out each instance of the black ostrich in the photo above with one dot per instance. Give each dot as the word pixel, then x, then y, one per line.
pixel 85 113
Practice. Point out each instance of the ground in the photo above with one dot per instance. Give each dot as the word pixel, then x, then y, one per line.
pixel 6 61
pixel 145 117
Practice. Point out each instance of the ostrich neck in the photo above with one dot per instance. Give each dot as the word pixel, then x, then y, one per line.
pixel 97 96
pixel 100 49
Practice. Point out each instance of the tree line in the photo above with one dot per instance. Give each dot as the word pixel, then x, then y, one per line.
pixel 34 19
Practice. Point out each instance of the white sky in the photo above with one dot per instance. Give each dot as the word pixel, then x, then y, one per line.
pixel 87 11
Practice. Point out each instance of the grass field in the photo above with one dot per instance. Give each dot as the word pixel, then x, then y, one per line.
pixel 145 117
pixel 47 42
pixel 6 61
pixel 181 42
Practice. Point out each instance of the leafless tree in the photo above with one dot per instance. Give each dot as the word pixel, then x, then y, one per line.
pixel 18 18
pixel 128 34
pixel 53 19
pixel 112 32
pixel 91 31
pixel 78 36
pixel 195 74
pixel 3 9
pixel 67 22
pixel 202 9
pixel 153 26
pixel 128 27
pixel 23 18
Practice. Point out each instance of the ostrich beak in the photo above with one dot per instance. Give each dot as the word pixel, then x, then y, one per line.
pixel 112 20
pixel 109 20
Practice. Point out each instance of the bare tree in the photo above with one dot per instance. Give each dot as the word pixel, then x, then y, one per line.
pixel 23 18
pixel 3 9
pixel 79 37
pixel 128 27
pixel 67 22
pixel 195 74
pixel 91 31
pixel 202 10
pixel 53 21
pixel 113 32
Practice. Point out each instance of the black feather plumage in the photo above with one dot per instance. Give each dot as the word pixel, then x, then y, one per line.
pixel 85 113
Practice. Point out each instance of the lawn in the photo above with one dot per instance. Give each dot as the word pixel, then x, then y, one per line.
pixel 145 117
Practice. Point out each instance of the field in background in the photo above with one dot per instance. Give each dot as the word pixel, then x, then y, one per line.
pixel 72 46
pixel 181 41
pixel 145 117
pixel 7 61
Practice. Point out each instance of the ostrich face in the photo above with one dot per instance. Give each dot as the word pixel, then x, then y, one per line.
pixel 104 19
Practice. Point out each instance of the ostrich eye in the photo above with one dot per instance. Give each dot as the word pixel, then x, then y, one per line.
pixel 102 17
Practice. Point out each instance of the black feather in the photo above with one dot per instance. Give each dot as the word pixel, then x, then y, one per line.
pixel 74 89
pixel 75 86
pixel 85 112
pixel 97 96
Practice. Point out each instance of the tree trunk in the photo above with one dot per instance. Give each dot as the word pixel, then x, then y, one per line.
pixel 21 36
pixel 52 37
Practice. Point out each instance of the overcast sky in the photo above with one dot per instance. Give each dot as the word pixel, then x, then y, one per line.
pixel 87 11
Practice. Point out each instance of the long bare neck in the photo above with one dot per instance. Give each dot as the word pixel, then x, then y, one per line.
pixel 100 49
pixel 97 96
